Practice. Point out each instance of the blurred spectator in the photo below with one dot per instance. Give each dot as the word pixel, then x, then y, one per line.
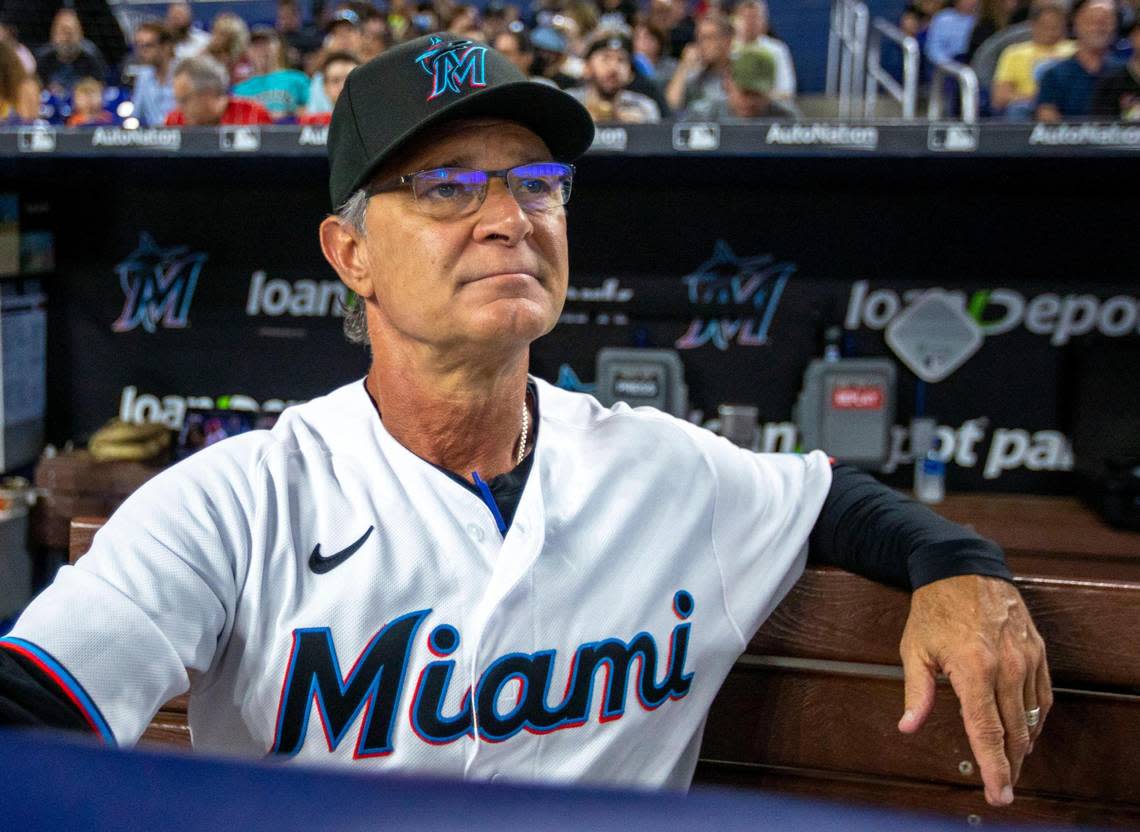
pixel 87 105
pixel 672 17
pixel 342 34
pixel 29 99
pixel 1117 96
pixel 750 21
pixel 651 53
pixel 617 13
pixel 9 36
pixel 299 38
pixel 189 40
pixel 201 91
pixel 465 23
pixel 68 56
pixel 1020 64
pixel 425 19
pixel 12 74
pixel 515 45
pixel 948 37
pixel 993 16
pixel 334 70
pixel 498 17
pixel 914 21
pixel 375 36
pixel 583 17
pixel 608 72
pixel 229 40
pixel 700 74
pixel 153 94
pixel 280 90
pixel 550 54
pixel 1066 88
pixel 750 85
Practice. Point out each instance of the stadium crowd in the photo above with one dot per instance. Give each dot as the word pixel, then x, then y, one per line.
pixel 626 61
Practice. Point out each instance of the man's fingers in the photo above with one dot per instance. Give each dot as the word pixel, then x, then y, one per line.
pixel 1012 707
pixel 919 693
pixel 984 729
pixel 1044 693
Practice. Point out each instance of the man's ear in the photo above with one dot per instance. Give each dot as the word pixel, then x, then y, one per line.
pixel 344 248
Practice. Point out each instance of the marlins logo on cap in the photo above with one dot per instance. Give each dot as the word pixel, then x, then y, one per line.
pixel 392 102
pixel 454 64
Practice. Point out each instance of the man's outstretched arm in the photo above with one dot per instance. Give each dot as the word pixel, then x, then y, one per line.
pixel 967 620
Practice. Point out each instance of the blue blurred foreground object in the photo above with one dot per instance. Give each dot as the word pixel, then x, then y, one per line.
pixel 57 783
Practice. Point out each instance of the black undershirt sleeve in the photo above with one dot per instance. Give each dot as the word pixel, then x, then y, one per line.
pixel 29 698
pixel 874 531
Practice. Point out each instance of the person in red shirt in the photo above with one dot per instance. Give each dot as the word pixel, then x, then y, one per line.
pixel 334 70
pixel 201 95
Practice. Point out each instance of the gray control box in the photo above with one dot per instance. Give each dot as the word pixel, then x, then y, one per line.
pixel 642 377
pixel 847 408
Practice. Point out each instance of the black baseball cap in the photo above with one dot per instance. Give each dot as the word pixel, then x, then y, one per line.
pixel 610 41
pixel 395 97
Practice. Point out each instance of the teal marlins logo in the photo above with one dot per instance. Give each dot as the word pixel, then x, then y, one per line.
pixel 453 64
pixel 159 284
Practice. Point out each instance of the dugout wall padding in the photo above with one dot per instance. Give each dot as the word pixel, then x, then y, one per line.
pixel 199 278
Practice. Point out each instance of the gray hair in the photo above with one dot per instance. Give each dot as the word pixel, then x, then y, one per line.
pixel 205 74
pixel 351 213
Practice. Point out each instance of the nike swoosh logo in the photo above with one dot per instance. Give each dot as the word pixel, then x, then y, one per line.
pixel 322 565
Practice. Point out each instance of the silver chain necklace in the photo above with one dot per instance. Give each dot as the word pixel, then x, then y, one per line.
pixel 522 439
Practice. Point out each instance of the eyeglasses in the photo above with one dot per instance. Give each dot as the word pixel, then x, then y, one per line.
pixel 447 193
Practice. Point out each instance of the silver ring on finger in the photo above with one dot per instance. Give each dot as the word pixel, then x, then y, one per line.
pixel 1032 717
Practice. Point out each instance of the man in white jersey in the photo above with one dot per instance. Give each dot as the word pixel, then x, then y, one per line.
pixel 427 569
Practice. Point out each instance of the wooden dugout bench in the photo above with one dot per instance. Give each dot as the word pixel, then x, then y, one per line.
pixel 811 707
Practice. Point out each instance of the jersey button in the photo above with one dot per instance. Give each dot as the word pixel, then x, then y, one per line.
pixel 476 532
pixel 496 776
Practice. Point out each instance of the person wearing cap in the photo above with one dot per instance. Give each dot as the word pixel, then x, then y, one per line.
pixel 342 34
pixel 282 91
pixel 749 85
pixel 608 73
pixel 551 54
pixel 511 530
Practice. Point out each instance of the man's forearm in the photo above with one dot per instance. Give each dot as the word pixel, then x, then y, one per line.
pixel 874 531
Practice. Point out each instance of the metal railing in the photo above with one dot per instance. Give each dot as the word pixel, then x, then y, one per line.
pixel 967 91
pixel 906 93
pixel 847 53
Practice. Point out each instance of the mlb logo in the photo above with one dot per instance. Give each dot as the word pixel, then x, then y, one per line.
pixel 699 136
pixel 240 139
pixel 37 140
pixel 953 138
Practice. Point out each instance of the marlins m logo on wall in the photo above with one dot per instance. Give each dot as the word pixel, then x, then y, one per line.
pixel 452 65
pixel 159 285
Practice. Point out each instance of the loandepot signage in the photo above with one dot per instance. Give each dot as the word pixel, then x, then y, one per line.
pixel 970 445
pixel 997 311
pixel 171 409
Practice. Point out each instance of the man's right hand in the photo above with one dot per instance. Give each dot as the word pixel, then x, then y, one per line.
pixel 691 58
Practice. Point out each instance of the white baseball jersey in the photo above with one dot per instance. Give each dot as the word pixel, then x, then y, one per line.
pixel 585 645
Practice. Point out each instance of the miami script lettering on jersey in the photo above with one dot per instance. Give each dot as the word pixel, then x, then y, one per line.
pixel 375 685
